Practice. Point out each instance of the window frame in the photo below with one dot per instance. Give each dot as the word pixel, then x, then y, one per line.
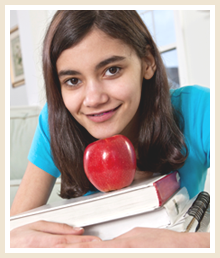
pixel 178 45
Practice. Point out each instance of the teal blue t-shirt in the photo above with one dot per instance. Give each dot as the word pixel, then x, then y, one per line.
pixel 193 102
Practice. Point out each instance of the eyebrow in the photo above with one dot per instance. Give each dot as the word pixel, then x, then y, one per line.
pixel 109 60
pixel 68 72
pixel 103 63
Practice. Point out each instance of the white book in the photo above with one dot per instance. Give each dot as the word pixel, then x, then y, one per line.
pixel 164 217
pixel 141 196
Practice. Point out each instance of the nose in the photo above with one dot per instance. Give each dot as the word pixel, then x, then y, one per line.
pixel 95 95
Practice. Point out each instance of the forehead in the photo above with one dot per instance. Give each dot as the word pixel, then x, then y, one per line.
pixel 94 47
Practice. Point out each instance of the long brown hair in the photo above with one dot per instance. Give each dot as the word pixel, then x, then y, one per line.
pixel 160 142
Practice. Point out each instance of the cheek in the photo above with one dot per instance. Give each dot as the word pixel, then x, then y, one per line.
pixel 70 101
pixel 129 90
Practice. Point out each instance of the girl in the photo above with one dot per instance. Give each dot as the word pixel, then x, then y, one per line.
pixel 104 76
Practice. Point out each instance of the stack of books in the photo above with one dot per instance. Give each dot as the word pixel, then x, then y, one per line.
pixel 157 202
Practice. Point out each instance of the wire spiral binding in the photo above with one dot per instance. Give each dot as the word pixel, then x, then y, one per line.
pixel 199 207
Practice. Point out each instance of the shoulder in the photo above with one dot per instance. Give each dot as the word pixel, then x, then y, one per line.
pixel 189 92
pixel 193 104
pixel 44 112
pixel 43 117
pixel 190 98
pixel 42 130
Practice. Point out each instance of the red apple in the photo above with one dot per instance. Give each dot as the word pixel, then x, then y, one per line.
pixel 110 163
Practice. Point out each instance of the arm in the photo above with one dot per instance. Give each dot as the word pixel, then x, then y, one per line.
pixel 34 190
pixel 150 238
pixel 45 234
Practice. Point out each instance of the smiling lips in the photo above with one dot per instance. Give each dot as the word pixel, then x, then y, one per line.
pixel 103 116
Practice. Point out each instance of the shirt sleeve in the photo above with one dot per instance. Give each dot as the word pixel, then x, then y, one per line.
pixel 40 151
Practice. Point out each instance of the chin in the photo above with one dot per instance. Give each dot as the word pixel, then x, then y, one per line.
pixel 102 135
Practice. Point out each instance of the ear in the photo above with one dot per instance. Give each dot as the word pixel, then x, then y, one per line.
pixel 149 65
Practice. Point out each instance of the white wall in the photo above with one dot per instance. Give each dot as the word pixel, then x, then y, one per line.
pixel 196 39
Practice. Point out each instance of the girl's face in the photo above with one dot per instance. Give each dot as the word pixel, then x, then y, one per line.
pixel 101 80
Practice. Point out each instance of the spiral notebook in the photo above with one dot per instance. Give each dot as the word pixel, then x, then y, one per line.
pixel 197 217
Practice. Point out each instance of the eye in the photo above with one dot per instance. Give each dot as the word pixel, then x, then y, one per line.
pixel 73 82
pixel 112 71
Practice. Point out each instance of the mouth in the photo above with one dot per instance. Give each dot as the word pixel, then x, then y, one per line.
pixel 103 116
pixel 103 113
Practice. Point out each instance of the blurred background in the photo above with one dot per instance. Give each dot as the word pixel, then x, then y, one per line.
pixel 183 38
